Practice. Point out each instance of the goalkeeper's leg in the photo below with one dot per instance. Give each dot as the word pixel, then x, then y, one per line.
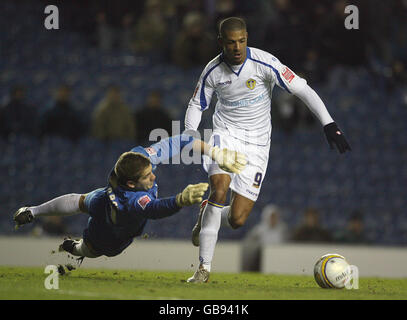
pixel 65 205
pixel 78 248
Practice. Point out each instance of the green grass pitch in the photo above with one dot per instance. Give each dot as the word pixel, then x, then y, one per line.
pixel 94 284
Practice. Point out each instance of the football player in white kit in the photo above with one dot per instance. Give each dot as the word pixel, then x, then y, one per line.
pixel 243 79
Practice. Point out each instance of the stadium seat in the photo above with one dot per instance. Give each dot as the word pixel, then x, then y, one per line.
pixel 302 170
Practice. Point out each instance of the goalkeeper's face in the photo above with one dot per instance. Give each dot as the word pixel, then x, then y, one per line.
pixel 146 180
pixel 234 44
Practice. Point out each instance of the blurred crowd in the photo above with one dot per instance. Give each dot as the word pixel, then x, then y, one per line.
pixel 310 35
pixel 112 118
pixel 273 230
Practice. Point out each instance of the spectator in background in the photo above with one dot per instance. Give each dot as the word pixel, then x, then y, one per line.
pixel 126 34
pixel 62 119
pixel 104 32
pixel 114 21
pixel 152 116
pixel 311 230
pixel 112 119
pixel 150 32
pixel 290 113
pixel 271 230
pixel 343 46
pixel 193 46
pixel 283 32
pixel 354 232
pixel 51 226
pixel 16 116
pixel 397 47
pixel 315 65
pixel 399 75
pixel 224 9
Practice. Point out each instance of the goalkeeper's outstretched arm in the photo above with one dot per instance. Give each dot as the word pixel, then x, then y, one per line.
pixel 228 160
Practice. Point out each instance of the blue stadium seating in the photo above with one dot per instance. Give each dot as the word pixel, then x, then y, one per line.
pixel 302 170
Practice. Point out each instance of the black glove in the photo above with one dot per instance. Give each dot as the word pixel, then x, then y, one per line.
pixel 335 136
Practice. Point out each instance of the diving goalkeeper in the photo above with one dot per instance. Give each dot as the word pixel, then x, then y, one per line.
pixel 119 211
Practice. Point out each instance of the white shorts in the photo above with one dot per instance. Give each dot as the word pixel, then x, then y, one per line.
pixel 248 182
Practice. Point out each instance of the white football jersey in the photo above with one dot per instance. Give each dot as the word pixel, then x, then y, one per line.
pixel 243 94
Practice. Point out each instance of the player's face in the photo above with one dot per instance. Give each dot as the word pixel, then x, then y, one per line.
pixel 146 180
pixel 234 44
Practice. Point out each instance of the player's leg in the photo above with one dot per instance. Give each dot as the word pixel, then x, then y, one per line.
pixel 205 232
pixel 197 227
pixel 219 186
pixel 210 224
pixel 216 198
pixel 79 248
pixel 219 182
pixel 239 211
pixel 211 217
pixel 235 215
pixel 93 204
pixel 246 186
pixel 65 205
pixel 215 215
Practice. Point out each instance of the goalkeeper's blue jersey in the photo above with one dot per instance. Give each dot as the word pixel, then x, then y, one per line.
pixel 118 213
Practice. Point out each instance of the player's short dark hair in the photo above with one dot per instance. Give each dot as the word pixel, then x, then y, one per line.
pixel 231 24
pixel 130 166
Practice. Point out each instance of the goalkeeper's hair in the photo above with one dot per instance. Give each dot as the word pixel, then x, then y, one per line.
pixel 130 166
pixel 231 24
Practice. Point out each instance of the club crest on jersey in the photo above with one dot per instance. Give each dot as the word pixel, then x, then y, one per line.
pixel 251 83
pixel 143 201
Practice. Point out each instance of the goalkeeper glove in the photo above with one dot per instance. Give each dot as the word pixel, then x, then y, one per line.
pixel 191 194
pixel 335 136
pixel 228 160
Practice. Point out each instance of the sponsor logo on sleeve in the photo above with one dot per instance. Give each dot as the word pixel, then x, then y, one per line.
pixel 143 201
pixel 288 74
pixel 151 151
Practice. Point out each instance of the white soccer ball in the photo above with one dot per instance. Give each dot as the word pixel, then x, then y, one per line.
pixel 332 271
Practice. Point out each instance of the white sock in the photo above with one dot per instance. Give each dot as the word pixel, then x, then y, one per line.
pixel 224 222
pixel 65 205
pixel 82 250
pixel 208 236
